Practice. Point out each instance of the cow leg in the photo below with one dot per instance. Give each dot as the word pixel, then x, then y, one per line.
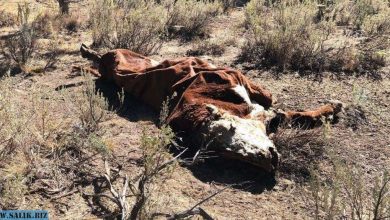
pixel 90 70
pixel 305 119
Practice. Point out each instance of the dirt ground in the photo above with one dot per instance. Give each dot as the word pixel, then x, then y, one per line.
pixel 364 144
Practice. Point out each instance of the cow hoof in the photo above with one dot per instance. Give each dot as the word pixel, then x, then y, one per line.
pixel 337 105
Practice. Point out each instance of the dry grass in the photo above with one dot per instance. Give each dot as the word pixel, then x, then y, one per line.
pixel 7 19
pixel 285 35
pixel 366 15
pixel 189 19
pixel 44 25
pixel 297 36
pixel 71 23
pixel 127 26
pixel 39 141
pixel 210 47
pixel 48 25
pixel 301 151
pixel 14 119
pixel 20 47
pixel 346 195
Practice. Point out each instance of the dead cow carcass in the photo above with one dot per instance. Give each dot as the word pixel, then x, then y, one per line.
pixel 219 102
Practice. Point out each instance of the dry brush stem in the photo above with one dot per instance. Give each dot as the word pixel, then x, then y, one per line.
pixel 138 189
pixel 119 197
pixel 145 179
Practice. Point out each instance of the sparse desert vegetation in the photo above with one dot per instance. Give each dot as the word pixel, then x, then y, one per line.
pixel 83 149
pixel 302 35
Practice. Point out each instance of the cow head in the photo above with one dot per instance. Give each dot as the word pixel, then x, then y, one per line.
pixel 244 139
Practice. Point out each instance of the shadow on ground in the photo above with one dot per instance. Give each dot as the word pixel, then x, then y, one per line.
pixel 237 174
pixel 131 108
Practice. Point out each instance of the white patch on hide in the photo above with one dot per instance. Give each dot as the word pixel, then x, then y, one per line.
pixel 257 110
pixel 241 91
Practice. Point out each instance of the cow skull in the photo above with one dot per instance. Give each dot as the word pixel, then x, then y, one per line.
pixel 244 139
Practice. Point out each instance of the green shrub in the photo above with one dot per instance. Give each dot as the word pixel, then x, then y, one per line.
pixel 377 24
pixel 364 9
pixel 20 47
pixel 90 106
pixel 367 15
pixel 139 31
pixel 102 23
pixel 128 27
pixel 285 35
pixel 296 36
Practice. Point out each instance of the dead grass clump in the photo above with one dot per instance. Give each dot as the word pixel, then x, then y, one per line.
pixel 352 60
pixel 189 19
pixel 71 23
pixel 367 15
pixel 128 27
pixel 90 106
pixel 44 25
pixel 285 35
pixel 377 24
pixel 13 187
pixel 47 24
pixel 347 195
pixel 227 5
pixel 20 47
pixel 300 150
pixel 7 19
pixel 296 36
